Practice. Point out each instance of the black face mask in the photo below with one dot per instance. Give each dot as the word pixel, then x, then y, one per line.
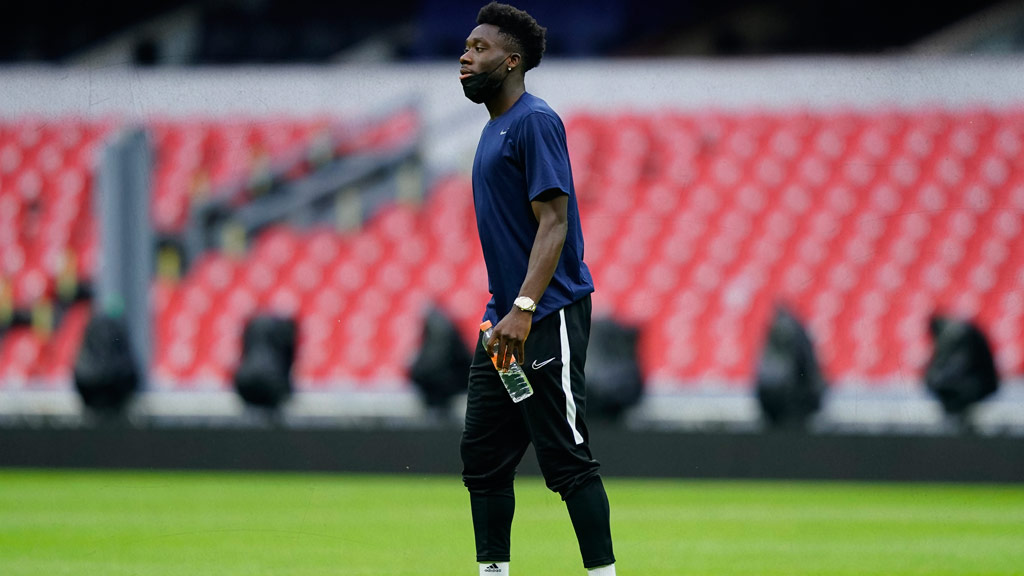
pixel 481 87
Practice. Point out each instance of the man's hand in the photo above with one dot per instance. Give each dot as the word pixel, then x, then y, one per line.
pixel 509 338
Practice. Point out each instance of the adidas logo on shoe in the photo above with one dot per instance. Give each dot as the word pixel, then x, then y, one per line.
pixel 493 568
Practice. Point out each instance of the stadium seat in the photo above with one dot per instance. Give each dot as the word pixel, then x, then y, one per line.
pixel 21 349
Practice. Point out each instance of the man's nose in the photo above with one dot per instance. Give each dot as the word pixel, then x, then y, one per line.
pixel 464 59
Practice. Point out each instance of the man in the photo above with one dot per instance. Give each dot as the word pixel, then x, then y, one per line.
pixel 533 248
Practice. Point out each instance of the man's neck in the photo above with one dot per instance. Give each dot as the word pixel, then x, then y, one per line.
pixel 505 99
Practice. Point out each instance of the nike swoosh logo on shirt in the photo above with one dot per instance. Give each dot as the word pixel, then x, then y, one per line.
pixel 538 365
pixel 503 132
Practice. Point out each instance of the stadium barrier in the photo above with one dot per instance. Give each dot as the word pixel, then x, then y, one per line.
pixel 414 451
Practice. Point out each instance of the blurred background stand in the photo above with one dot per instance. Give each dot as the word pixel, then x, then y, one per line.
pixel 264 376
pixel 961 371
pixel 440 369
pixel 615 382
pixel 789 383
pixel 106 372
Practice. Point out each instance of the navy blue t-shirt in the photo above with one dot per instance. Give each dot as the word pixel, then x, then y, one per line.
pixel 522 154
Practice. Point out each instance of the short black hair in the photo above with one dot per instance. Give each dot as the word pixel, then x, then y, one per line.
pixel 519 28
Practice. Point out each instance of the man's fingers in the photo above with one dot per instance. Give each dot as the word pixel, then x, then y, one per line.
pixel 507 351
pixel 515 352
pixel 503 356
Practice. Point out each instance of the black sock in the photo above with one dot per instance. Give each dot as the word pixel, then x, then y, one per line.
pixel 492 525
pixel 588 509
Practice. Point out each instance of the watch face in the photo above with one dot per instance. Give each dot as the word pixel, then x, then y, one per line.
pixel 525 303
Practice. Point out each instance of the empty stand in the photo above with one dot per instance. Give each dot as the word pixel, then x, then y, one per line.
pixel 46 228
pixel 49 237
pixel 359 297
pixel 696 223
pixel 865 222
pixel 195 158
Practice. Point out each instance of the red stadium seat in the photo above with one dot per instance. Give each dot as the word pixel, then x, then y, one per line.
pixel 58 357
pixel 21 350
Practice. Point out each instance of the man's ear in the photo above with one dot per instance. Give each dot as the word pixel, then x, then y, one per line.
pixel 514 60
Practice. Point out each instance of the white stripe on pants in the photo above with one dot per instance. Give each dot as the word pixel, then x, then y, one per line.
pixel 570 402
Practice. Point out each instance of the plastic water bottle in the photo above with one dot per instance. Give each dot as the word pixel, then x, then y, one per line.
pixel 514 378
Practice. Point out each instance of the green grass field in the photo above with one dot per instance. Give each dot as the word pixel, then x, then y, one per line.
pixel 192 524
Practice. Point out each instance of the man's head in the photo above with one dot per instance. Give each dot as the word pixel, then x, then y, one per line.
pixel 506 42
pixel 518 31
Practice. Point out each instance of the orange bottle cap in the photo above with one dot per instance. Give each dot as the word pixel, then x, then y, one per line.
pixel 485 325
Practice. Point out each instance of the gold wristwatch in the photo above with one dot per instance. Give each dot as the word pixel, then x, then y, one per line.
pixel 526 304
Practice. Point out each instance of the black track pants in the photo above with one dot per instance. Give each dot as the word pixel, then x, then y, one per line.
pixel 498 431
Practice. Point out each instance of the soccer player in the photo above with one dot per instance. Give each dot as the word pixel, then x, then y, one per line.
pixel 532 242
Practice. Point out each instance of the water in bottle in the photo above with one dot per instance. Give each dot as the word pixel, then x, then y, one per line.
pixel 514 378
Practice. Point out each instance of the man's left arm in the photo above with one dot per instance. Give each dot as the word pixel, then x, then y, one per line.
pixel 551 211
